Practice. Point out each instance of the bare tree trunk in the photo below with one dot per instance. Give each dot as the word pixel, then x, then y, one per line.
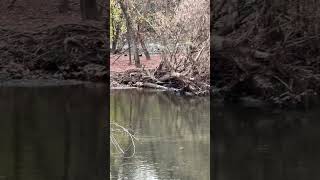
pixel 129 47
pixel 131 34
pixel 143 46
pixel 136 51
pixel 115 38
pixel 89 9
pixel 123 8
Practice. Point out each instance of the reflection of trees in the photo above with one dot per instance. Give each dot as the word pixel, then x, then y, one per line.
pixel 253 144
pixel 171 122
pixel 54 135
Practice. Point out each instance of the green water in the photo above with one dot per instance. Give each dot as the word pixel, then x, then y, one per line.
pixel 262 144
pixel 52 132
pixel 172 132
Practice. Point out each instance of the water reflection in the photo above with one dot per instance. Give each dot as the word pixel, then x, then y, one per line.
pixel 173 136
pixel 52 133
pixel 253 144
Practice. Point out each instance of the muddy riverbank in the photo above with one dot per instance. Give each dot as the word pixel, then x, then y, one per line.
pixel 62 52
pixel 38 42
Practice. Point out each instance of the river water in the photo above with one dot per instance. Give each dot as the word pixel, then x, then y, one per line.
pixel 52 132
pixel 172 134
pixel 265 144
pixel 57 133
pixel 249 142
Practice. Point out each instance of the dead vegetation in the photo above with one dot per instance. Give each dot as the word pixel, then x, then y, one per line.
pixel 69 51
pixel 163 79
pixel 266 49
pixel 182 30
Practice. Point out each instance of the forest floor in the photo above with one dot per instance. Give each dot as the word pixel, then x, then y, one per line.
pixel 118 65
pixel 39 42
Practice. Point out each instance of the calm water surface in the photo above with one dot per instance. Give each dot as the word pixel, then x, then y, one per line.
pixel 173 136
pixel 56 133
pixel 253 144
pixel 52 132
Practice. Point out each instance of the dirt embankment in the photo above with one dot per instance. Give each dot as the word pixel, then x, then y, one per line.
pixel 39 42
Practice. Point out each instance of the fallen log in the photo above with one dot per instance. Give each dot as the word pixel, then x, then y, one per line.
pixel 152 85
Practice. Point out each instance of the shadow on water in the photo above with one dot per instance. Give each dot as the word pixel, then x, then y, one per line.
pixel 173 135
pixel 52 133
pixel 253 144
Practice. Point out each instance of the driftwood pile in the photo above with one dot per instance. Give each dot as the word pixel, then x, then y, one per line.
pixel 163 79
pixel 70 51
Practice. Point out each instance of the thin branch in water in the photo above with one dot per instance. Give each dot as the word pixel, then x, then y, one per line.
pixel 120 128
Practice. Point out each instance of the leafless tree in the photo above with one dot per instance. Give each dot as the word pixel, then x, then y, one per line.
pixel 131 34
